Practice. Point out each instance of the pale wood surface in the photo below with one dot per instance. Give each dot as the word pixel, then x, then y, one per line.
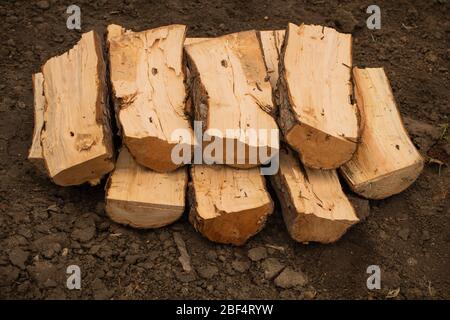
pixel 230 90
pixel 77 139
pixel 317 116
pixel 314 207
pixel 189 41
pixel 228 205
pixel 35 152
pixel 143 198
pixel 147 76
pixel 386 161
pixel 271 43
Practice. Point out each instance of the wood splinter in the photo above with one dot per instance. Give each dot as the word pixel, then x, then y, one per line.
pixel 35 152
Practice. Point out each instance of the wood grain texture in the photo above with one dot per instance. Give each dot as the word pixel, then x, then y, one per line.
pixel 314 207
pixel 231 92
pixel 77 139
pixel 147 76
pixel 143 198
pixel 386 161
pixel 317 116
pixel 228 205
pixel 35 152
pixel 271 43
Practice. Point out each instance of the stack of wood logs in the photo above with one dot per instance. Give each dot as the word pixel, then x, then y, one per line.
pixel 334 119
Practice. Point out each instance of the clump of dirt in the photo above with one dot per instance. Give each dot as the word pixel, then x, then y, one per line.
pixel 46 228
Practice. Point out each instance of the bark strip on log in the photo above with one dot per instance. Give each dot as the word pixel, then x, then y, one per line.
pixel 143 198
pixel 147 76
pixel 386 162
pixel 228 205
pixel 76 138
pixel 314 207
pixel 317 115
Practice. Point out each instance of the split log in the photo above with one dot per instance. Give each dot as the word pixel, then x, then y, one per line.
pixel 314 207
pixel 77 138
pixel 143 198
pixel 317 115
pixel 386 161
pixel 233 98
pixel 271 43
pixel 147 77
pixel 35 152
pixel 228 205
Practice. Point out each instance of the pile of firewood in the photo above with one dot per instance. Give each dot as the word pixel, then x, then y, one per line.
pixel 333 117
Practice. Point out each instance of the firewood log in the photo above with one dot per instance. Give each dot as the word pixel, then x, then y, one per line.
pixel 317 115
pixel 76 138
pixel 386 162
pixel 143 198
pixel 228 205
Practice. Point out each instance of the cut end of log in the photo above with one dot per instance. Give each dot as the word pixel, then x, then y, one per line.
pixel 35 152
pixel 228 205
pixel 315 209
pixel 386 162
pixel 317 115
pixel 77 138
pixel 147 76
pixel 142 198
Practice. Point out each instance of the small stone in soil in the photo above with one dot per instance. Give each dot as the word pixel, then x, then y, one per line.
pixel 272 267
pixel 404 234
pixel 290 279
pixel 18 257
pixel 43 4
pixel 258 253
pixel 240 266
pixel 208 271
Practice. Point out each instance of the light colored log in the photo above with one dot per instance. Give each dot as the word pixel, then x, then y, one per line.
pixel 271 43
pixel 232 96
pixel 317 116
pixel 386 161
pixel 314 207
pixel 228 205
pixel 35 152
pixel 143 198
pixel 147 77
pixel 77 138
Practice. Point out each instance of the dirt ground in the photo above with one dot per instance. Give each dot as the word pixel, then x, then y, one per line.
pixel 45 228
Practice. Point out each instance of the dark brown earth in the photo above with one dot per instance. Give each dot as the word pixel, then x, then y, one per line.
pixel 45 228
